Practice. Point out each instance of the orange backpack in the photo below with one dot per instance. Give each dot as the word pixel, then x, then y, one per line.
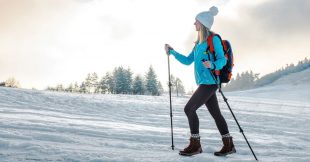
pixel 225 73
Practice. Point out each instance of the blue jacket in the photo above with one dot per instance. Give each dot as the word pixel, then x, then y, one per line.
pixel 202 74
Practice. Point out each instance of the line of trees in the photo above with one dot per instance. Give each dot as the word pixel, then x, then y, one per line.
pixel 243 81
pixel 290 68
pixel 248 80
pixel 176 86
pixel 11 82
pixel 120 81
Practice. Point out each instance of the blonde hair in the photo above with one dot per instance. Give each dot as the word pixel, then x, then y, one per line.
pixel 203 33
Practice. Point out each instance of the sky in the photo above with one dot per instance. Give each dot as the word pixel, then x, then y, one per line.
pixel 45 43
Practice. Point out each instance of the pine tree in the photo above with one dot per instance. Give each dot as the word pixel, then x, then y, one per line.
pixel 119 78
pixel 59 88
pixel 102 85
pixel 76 87
pixel 88 83
pixel 128 81
pixel 160 88
pixel 110 83
pixel 179 87
pixel 70 88
pixel 83 88
pixel 138 86
pixel 94 83
pixel 151 82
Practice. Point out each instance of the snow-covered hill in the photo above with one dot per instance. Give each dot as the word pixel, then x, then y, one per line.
pixel 294 87
pixel 47 126
pixel 299 78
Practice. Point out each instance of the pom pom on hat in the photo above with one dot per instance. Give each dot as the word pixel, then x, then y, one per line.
pixel 213 10
pixel 206 17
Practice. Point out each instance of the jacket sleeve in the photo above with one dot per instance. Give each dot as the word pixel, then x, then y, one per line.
pixel 219 54
pixel 183 59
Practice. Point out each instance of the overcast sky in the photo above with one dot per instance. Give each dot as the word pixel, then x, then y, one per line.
pixel 59 41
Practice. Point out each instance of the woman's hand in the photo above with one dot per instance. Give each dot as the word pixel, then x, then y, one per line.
pixel 207 64
pixel 168 48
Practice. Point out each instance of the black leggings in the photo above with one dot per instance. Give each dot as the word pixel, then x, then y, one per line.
pixel 205 94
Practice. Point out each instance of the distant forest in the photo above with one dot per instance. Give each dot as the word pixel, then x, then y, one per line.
pixel 249 80
pixel 121 81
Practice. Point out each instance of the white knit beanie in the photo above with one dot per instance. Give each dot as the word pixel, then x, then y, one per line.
pixel 206 17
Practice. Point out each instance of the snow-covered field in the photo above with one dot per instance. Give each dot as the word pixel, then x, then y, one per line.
pixel 48 126
pixel 294 87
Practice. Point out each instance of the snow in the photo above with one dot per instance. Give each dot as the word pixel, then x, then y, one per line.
pixel 51 126
pixel 294 88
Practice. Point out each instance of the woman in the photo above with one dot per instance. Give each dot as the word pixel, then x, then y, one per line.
pixel 207 85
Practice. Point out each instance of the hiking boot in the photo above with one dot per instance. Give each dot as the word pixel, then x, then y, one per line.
pixel 228 147
pixel 193 148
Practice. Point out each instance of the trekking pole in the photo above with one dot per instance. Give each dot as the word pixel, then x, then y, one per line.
pixel 225 99
pixel 172 145
pixel 240 129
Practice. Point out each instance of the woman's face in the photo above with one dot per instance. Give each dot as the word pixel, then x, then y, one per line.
pixel 197 25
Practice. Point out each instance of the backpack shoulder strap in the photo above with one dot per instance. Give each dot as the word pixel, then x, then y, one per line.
pixel 210 42
pixel 212 51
